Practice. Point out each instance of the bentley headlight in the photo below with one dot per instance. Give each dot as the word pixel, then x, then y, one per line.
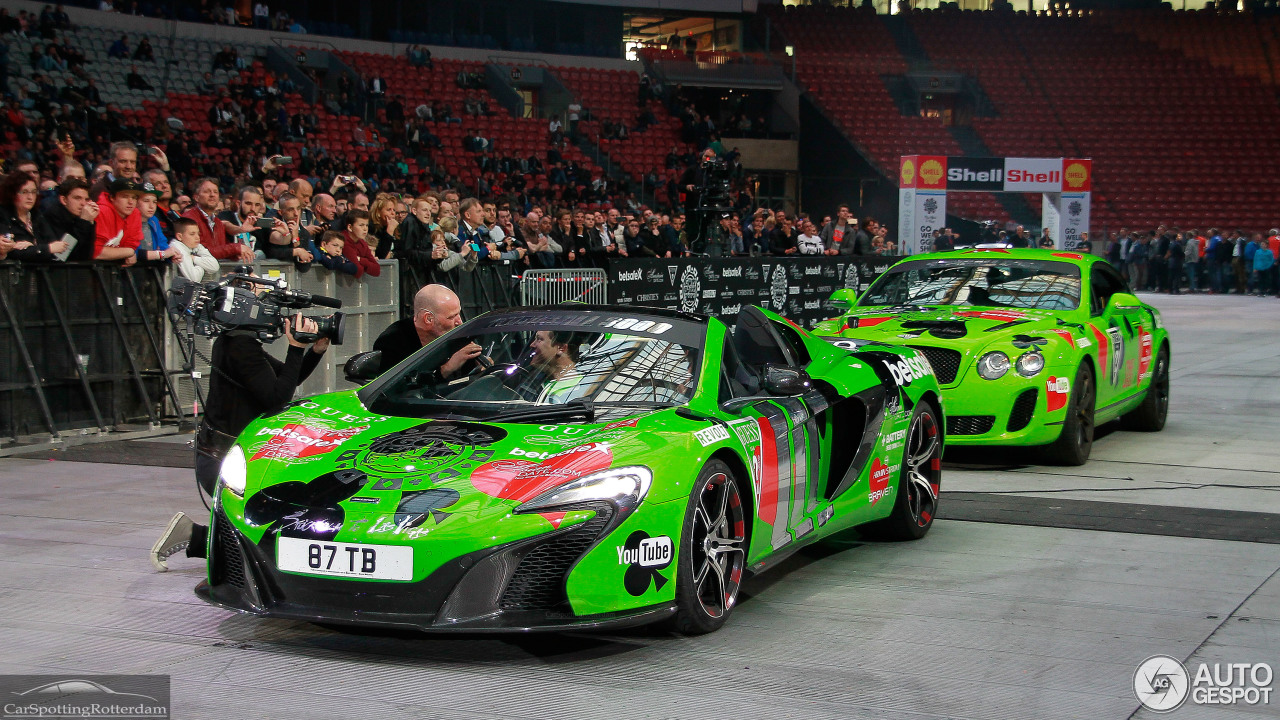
pixel 993 365
pixel 624 487
pixel 234 472
pixel 1029 364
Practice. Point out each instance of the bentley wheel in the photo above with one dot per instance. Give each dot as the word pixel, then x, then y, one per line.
pixel 916 501
pixel 713 552
pixel 1154 410
pixel 1076 441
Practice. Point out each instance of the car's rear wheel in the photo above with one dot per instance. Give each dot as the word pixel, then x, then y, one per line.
pixel 1076 441
pixel 1150 416
pixel 916 501
pixel 713 552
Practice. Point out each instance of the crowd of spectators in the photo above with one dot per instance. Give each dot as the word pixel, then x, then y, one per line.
pixel 1167 259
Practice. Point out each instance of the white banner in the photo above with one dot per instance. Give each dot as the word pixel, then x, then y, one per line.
pixel 1051 219
pixel 930 215
pixel 906 220
pixel 1033 174
pixel 1073 214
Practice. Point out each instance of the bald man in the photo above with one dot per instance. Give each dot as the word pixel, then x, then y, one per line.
pixel 436 311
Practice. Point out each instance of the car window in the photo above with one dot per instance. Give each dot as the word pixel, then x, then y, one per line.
pixel 1103 286
pixel 794 343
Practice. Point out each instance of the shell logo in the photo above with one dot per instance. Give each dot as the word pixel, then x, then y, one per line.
pixel 931 172
pixel 908 172
pixel 1076 175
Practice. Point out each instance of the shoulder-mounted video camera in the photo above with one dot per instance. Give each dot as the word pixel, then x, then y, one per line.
pixel 232 303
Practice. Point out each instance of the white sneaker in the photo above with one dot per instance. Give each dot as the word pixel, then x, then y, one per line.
pixel 176 537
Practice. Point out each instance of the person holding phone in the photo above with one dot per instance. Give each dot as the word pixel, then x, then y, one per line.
pixel 242 223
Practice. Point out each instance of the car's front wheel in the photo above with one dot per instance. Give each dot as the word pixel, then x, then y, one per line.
pixel 713 552
pixel 916 501
pixel 1076 441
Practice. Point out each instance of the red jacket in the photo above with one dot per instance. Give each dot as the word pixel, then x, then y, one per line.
pixel 215 240
pixel 110 226
pixel 358 252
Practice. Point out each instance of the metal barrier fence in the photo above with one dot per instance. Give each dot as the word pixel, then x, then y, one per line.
pixel 81 352
pixel 369 304
pixel 549 287
pixel 490 286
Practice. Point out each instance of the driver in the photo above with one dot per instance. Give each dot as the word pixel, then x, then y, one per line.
pixel 436 311
pixel 556 353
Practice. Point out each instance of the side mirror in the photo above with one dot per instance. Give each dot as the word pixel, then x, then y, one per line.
pixel 363 367
pixel 1124 301
pixel 785 381
pixel 844 298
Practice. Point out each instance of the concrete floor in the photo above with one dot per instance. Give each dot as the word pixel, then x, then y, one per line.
pixel 978 620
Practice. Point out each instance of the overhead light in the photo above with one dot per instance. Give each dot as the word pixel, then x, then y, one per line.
pixel 791 50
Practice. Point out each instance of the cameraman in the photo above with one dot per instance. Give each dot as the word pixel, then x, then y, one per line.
pixel 245 382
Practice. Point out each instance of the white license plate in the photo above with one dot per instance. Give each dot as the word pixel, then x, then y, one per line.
pixel 319 557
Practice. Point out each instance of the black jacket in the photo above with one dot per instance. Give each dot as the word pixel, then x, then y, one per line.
pixel 247 382
pixel 397 342
pixel 53 225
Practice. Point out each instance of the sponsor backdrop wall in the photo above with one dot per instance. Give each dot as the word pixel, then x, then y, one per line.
pixel 797 288
pixel 925 180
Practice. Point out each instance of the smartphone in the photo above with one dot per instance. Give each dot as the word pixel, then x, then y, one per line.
pixel 266 222
pixel 284 160
pixel 475 247
pixel 152 151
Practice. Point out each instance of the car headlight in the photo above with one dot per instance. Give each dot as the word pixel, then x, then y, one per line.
pixel 1029 364
pixel 624 487
pixel 993 365
pixel 235 472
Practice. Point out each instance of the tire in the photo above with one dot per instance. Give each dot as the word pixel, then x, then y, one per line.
pixel 713 552
pixel 1150 416
pixel 1076 441
pixel 916 497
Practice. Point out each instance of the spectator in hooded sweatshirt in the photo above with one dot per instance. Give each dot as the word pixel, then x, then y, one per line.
pixel 118 231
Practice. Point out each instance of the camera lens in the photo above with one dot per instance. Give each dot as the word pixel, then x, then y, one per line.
pixel 332 327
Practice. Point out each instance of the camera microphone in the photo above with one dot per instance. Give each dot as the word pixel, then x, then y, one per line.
pixel 326 301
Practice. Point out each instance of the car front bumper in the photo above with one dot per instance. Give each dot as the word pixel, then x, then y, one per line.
pixel 466 594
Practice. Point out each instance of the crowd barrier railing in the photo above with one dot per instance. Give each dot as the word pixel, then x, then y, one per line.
pixel 557 285
pixel 82 352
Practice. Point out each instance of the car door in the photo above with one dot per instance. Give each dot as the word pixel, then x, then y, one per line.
pixel 1117 331
pixel 781 433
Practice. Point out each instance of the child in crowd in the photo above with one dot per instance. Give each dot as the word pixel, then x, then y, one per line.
pixel 118 231
pixel 155 244
pixel 356 246
pixel 194 260
pixel 448 259
pixel 332 256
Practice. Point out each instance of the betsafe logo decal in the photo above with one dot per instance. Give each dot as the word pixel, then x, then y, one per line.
pixel 644 557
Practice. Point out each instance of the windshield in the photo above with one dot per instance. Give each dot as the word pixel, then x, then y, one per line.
pixel 480 370
pixel 986 282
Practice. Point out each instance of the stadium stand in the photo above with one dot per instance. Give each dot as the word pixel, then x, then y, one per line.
pixel 611 95
pixel 1064 86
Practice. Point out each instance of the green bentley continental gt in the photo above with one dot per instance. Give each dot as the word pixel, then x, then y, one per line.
pixel 1031 347
pixel 593 467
